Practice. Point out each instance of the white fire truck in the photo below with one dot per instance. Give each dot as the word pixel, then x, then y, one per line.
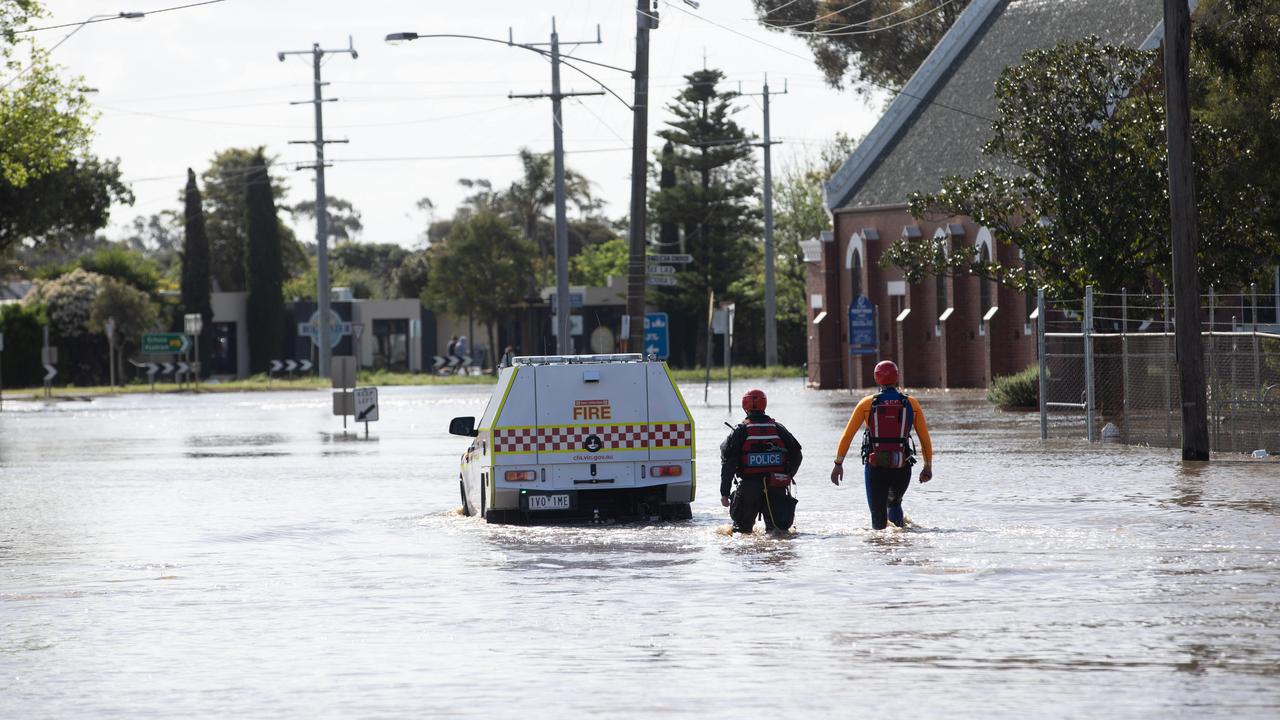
pixel 579 437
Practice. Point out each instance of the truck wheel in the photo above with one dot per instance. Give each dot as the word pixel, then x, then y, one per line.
pixel 676 511
pixel 462 489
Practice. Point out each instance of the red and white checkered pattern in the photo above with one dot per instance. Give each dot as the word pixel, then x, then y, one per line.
pixel 573 437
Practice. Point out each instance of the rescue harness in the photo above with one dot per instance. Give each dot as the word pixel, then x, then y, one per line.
pixel 763 452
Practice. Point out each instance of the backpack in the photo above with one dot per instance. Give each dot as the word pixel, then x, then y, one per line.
pixel 886 442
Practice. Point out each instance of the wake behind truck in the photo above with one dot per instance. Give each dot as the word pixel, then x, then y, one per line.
pixel 593 437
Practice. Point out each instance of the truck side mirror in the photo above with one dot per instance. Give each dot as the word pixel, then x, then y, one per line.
pixel 463 426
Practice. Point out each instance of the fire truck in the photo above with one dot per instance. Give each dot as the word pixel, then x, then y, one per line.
pixel 579 437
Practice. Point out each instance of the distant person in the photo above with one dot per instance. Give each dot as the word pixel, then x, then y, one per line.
pixel 461 352
pixel 508 354
pixel 887 451
pixel 765 458
pixel 450 352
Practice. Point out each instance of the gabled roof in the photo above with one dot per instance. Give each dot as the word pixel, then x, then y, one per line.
pixel 937 124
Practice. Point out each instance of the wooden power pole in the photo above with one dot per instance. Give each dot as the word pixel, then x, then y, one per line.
pixel 1182 232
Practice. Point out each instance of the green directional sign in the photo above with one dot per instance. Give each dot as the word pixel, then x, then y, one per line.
pixel 164 342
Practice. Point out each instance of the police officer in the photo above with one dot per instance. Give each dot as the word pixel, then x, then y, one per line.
pixel 889 416
pixel 765 456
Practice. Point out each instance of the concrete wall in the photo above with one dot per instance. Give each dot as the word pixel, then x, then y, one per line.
pixel 233 307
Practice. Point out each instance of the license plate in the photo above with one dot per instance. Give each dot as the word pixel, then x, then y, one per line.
pixel 764 459
pixel 548 502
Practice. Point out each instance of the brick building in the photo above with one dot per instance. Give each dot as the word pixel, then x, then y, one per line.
pixel 945 331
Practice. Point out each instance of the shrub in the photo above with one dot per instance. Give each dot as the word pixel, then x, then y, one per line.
pixel 1016 391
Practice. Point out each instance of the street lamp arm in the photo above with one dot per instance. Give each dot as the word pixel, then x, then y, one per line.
pixel 406 36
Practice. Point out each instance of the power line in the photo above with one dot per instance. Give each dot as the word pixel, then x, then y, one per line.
pixel 816 19
pixel 890 88
pixel 118 17
pixel 833 32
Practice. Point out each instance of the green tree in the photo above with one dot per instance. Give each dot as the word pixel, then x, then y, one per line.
pixel 73 200
pixel 68 304
pixel 344 220
pixel 596 263
pixel 226 216
pixel 714 200
pixel 533 194
pixel 865 44
pixel 22 325
pixel 410 278
pixel 480 270
pixel 1082 126
pixel 128 266
pixel 132 310
pixel 44 118
pixel 265 304
pixel 375 263
pixel 196 280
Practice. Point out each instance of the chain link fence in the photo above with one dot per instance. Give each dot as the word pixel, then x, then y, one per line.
pixel 1108 370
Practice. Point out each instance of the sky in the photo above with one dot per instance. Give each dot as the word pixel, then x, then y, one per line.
pixel 173 88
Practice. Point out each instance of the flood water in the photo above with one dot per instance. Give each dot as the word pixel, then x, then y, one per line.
pixel 237 556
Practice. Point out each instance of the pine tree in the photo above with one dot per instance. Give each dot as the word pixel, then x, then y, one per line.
pixel 713 200
pixel 264 271
pixel 195 268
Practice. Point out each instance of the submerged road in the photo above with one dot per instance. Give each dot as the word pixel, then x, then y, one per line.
pixel 238 556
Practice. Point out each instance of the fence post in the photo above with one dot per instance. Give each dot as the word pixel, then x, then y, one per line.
pixel 1257 360
pixel 1088 362
pixel 1169 367
pixel 1124 363
pixel 1044 367
pixel 1214 426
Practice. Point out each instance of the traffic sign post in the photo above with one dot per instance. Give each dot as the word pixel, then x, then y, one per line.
pixel 366 407
pixel 656 337
pixel 193 324
pixel 862 332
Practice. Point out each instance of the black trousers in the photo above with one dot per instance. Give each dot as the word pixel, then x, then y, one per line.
pixel 750 501
pixel 885 488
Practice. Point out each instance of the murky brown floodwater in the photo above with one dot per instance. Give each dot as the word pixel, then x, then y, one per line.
pixel 234 555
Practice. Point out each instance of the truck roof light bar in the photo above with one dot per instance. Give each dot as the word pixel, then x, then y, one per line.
pixel 576 359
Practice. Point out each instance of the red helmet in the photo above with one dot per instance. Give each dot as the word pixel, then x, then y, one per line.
pixel 886 373
pixel 754 401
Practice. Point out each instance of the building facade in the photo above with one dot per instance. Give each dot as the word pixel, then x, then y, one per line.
pixel 946 331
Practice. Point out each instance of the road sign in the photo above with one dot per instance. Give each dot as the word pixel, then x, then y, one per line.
pixel 276 366
pixel 192 323
pixel 862 327
pixel 338 328
pixel 304 366
pixel 655 335
pixel 343 371
pixel 290 365
pixel 660 269
pixel 660 280
pixel 576 300
pixel 366 408
pixel 677 258
pixel 575 325
pixel 51 372
pixel 165 343
pixel 110 327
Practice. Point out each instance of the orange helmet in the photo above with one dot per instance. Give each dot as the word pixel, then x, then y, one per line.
pixel 886 373
pixel 754 401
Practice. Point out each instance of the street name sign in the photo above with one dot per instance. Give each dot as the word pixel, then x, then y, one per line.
pixel 165 343
pixel 667 280
pixel 676 258
pixel 338 328
pixel 660 269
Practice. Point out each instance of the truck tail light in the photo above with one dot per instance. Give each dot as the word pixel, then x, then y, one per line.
pixel 665 471
pixel 520 476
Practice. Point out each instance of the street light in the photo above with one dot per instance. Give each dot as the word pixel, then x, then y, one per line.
pixel 563 339
pixel 129 15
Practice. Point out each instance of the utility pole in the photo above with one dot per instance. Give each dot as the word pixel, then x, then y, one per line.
pixel 564 344
pixel 770 303
pixel 325 349
pixel 646 20
pixel 1182 229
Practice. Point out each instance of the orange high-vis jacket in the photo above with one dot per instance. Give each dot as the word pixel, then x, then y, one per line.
pixel 862 413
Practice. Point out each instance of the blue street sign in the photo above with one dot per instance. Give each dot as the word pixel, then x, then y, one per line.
pixel 655 335
pixel 862 327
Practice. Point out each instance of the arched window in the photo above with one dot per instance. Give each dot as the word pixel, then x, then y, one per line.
pixel 855 276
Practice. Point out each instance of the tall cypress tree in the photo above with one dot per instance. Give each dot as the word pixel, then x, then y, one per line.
pixel 196 285
pixel 264 270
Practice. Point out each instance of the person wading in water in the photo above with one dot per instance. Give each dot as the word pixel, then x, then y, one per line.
pixel 766 457
pixel 887 452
